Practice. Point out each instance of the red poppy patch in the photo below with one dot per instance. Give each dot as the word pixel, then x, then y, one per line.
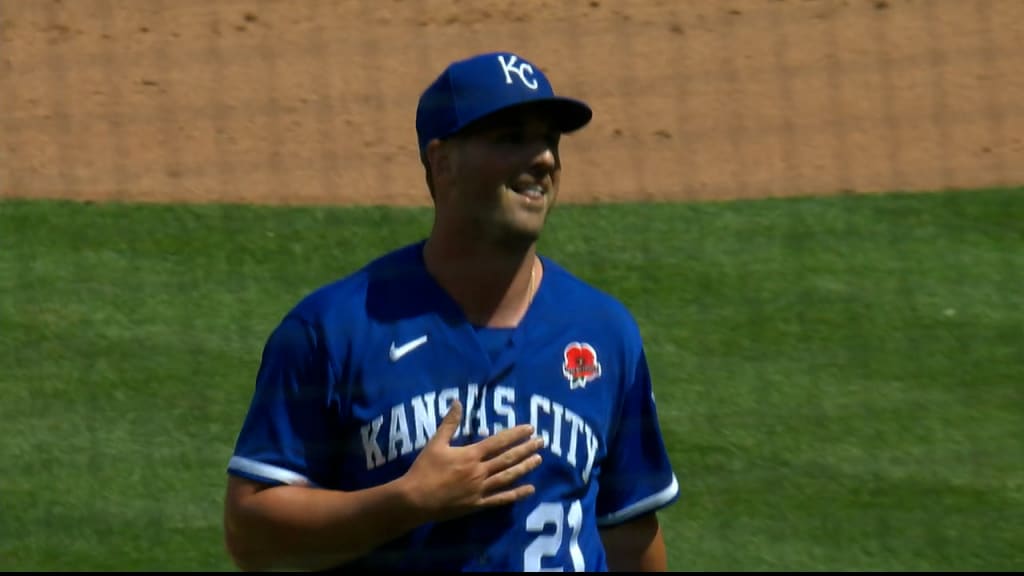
pixel 581 365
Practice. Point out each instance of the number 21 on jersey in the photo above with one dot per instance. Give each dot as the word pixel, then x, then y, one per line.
pixel 545 516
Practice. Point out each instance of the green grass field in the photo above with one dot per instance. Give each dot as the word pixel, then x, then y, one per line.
pixel 841 380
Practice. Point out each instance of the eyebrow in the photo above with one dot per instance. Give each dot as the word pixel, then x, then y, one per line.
pixel 512 119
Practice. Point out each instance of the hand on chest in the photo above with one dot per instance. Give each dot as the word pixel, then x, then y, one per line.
pixel 566 389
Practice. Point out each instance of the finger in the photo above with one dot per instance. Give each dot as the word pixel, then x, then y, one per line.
pixel 513 456
pixel 511 474
pixel 450 424
pixel 494 445
pixel 506 497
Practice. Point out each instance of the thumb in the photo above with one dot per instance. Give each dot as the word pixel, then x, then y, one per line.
pixel 450 424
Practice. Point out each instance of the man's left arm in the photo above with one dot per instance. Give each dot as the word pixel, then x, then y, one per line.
pixel 636 545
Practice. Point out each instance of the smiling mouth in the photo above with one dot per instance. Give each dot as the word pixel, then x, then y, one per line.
pixel 531 191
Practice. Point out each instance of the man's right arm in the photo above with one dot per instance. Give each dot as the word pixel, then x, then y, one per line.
pixel 304 528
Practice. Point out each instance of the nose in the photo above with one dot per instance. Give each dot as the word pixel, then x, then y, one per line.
pixel 544 156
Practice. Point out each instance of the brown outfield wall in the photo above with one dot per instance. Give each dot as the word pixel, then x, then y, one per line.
pixel 313 101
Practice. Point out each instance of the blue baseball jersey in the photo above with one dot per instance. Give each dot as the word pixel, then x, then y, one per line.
pixel 356 377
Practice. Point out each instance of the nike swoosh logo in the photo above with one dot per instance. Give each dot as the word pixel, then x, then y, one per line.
pixel 396 353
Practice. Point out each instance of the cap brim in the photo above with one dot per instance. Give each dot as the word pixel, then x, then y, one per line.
pixel 565 114
pixel 568 114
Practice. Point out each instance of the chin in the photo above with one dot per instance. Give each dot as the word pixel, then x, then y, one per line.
pixel 519 225
pixel 517 235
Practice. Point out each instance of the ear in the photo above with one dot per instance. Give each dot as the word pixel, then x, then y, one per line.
pixel 438 157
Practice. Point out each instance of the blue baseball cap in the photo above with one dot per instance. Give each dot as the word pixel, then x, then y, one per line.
pixel 477 87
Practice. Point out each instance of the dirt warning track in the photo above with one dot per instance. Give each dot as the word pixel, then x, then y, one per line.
pixel 314 101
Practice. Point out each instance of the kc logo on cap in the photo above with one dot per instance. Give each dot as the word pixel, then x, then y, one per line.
pixel 523 70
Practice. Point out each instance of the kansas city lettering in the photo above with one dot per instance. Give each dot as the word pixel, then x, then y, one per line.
pixel 409 425
pixel 547 417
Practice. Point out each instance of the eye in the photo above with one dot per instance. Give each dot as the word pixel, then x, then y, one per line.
pixel 511 136
pixel 522 136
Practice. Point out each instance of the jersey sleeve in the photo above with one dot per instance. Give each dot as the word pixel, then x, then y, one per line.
pixel 285 437
pixel 637 477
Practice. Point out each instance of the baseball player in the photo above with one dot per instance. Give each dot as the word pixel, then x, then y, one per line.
pixel 461 403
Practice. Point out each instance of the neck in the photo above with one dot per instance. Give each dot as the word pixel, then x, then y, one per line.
pixel 491 284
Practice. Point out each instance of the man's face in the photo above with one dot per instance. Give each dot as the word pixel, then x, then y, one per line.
pixel 505 175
